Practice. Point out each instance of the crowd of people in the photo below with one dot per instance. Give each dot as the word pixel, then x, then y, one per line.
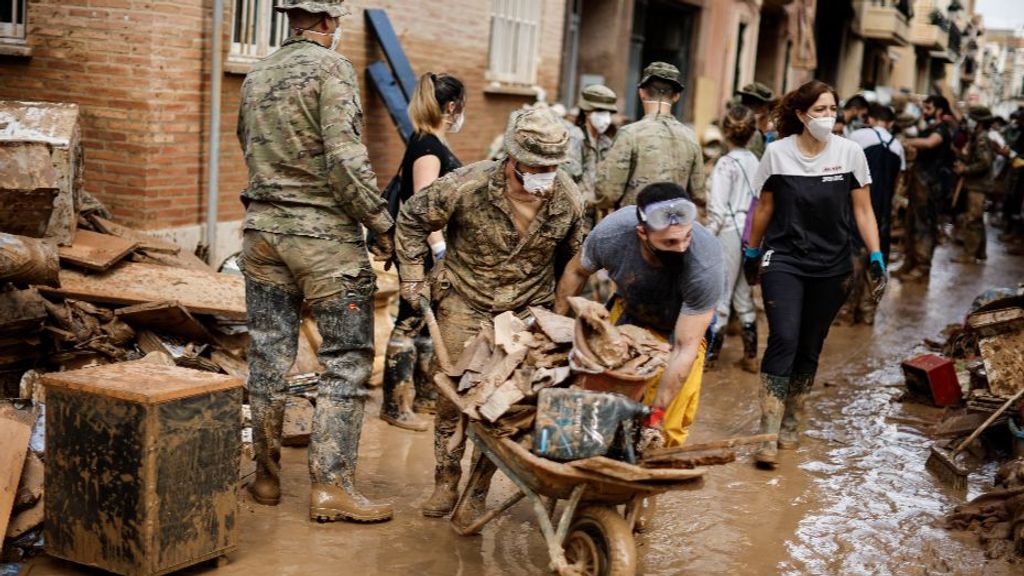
pixel 795 194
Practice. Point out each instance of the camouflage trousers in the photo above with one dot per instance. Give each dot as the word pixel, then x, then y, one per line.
pixel 345 320
pixel 922 224
pixel 975 242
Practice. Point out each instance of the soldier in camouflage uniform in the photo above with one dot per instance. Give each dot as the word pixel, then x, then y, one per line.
pixel 658 148
pixel 975 167
pixel 758 98
pixel 509 225
pixel 589 142
pixel 311 191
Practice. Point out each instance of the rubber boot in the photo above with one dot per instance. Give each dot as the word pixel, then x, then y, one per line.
pixel 773 389
pixel 426 393
pixel 477 489
pixel 447 461
pixel 793 415
pixel 399 365
pixel 273 320
pixel 346 324
pixel 749 361
pixel 716 340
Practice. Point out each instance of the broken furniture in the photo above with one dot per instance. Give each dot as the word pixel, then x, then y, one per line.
pixel 142 466
pixel 934 377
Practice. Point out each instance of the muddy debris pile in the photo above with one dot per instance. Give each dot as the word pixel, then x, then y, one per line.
pixel 997 516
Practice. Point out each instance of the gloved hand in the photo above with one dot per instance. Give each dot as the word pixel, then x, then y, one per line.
pixel 383 247
pixel 877 274
pixel 752 265
pixel 411 292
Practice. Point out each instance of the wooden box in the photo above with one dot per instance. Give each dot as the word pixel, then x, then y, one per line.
pixel 142 466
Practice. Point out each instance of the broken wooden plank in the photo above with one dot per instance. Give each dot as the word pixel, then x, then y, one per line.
pixel 1004 363
pixel 144 241
pixel 15 429
pixel 198 291
pixel 993 322
pixel 95 251
pixel 167 317
pixel 689 460
pixel 21 312
pixel 558 328
pixel 231 365
pixel 633 473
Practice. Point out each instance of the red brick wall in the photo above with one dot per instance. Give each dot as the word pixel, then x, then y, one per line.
pixel 139 70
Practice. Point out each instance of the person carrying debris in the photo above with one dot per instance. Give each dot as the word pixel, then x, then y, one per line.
pixel 669 276
pixel 657 148
pixel 311 190
pixel 975 167
pixel 510 225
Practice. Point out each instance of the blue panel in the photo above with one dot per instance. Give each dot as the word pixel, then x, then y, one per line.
pixel 383 81
pixel 381 25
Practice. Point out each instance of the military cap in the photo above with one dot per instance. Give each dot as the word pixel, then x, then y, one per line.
pixel 980 113
pixel 757 91
pixel 662 71
pixel 597 97
pixel 536 137
pixel 333 8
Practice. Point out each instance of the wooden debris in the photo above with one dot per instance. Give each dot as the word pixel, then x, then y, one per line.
pixel 558 328
pixel 25 261
pixel 690 460
pixel 508 331
pixel 198 291
pixel 993 322
pixel 231 364
pixel 168 317
pixel 30 487
pixel 15 429
pixel 143 241
pixel 21 312
pixel 597 339
pixel 632 472
pixel 94 251
pixel 657 454
pixel 501 400
pixel 477 353
pixel 1004 362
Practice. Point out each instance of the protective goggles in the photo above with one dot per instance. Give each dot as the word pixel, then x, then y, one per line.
pixel 661 215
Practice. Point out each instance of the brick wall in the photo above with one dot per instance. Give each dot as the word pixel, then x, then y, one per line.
pixel 139 70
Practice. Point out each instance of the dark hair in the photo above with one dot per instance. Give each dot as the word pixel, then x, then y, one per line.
pixel 659 192
pixel 739 125
pixel 857 101
pixel 433 94
pixel 801 99
pixel 658 88
pixel 939 102
pixel 881 113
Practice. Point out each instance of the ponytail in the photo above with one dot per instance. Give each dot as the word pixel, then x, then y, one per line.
pixel 433 93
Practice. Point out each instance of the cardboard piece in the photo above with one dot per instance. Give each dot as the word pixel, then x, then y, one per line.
pixel 94 251
pixel 15 429
pixel 1004 362
pixel 501 400
pixel 167 317
pixel 555 326
pixel 199 291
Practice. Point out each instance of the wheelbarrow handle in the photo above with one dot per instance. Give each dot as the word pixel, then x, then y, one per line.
pixel 440 350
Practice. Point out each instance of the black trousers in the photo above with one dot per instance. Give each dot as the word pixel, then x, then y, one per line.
pixel 800 310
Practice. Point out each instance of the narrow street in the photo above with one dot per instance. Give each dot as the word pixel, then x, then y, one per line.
pixel 854 500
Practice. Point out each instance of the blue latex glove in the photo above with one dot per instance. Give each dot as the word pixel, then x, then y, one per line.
pixel 876 256
pixel 752 264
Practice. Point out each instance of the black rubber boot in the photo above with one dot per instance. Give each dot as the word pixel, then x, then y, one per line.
pixel 399 367
pixel 426 392
pixel 749 361
pixel 716 340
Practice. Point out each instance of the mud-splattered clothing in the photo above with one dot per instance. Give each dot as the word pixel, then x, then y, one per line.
pixel 657 148
pixel 488 261
pixel 977 161
pixel 300 125
pixel 587 153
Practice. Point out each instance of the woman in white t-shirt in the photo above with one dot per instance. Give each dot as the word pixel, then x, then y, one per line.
pixel 729 198
pixel 813 190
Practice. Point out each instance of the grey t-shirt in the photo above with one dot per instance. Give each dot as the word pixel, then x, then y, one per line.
pixel 654 297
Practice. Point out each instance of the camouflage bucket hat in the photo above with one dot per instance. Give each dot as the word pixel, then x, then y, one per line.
pixel 535 137
pixel 598 97
pixel 758 91
pixel 980 113
pixel 333 8
pixel 662 71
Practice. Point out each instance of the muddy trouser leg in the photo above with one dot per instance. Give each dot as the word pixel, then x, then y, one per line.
pixel 399 367
pixel 426 392
pixel 922 221
pixel 974 225
pixel 273 319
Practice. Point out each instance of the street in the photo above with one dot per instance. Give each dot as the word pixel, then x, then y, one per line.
pixel 854 499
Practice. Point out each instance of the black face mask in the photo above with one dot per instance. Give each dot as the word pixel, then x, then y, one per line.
pixel 669 259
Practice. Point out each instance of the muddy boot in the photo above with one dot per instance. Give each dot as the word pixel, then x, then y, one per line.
pixel 346 324
pixel 426 393
pixel 793 415
pixel 749 361
pixel 447 461
pixel 273 320
pixel 475 503
pixel 715 342
pixel 773 388
pixel 399 365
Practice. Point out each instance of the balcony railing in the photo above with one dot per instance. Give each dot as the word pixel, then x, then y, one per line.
pixel 884 21
pixel 928 36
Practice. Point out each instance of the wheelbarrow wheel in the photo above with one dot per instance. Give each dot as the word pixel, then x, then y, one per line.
pixel 600 543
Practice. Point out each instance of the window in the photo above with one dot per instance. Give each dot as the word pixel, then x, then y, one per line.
pixel 515 30
pixel 12 20
pixel 256 30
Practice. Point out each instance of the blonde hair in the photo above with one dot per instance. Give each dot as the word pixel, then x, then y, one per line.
pixel 433 94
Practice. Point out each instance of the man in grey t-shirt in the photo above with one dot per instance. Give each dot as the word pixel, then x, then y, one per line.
pixel 669 276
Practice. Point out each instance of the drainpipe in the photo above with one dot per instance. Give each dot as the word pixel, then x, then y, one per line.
pixel 213 162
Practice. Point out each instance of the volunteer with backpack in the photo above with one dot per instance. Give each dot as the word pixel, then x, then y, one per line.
pixel 437 109
pixel 729 200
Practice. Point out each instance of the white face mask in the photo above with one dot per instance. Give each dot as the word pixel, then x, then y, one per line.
pixel 971 124
pixel 820 127
pixel 538 184
pixel 335 36
pixel 456 125
pixel 601 121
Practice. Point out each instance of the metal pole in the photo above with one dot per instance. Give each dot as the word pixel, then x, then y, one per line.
pixel 213 162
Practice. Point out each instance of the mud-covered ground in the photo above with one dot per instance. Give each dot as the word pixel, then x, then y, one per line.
pixel 855 499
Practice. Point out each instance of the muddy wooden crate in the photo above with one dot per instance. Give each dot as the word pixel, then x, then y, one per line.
pixel 142 466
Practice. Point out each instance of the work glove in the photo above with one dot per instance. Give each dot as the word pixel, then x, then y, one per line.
pixel 383 247
pixel 411 292
pixel 752 265
pixel 877 274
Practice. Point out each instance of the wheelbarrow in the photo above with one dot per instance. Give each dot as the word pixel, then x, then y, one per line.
pixel 590 537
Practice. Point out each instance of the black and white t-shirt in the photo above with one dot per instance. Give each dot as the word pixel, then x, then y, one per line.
pixel 812 221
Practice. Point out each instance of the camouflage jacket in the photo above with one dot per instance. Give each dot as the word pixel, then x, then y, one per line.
pixel 299 125
pixel 655 149
pixel 586 154
pixel 756 144
pixel 977 160
pixel 488 262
